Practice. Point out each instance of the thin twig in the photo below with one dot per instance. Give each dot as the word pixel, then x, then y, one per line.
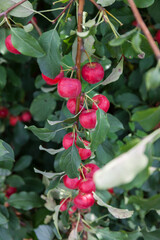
pixel 144 28
pixel 79 47
pixel 36 27
pixel 64 10
pixel 11 8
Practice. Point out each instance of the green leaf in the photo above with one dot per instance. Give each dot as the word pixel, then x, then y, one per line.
pixel 25 200
pixel 151 235
pixel 148 118
pixel 105 3
pixel 121 39
pixel 136 43
pixel 4 234
pixel 115 124
pixel 70 162
pixel 106 234
pixel 6 152
pixel 43 101
pixel 100 132
pixel 51 150
pixel 49 175
pixel 23 10
pixel 124 167
pixel 152 77
pixel 115 74
pixel 26 43
pixel 55 219
pixel 3 77
pixel 50 63
pixel 146 204
pixel 142 3
pixel 3 219
pixel 22 163
pixel 42 133
pixel 44 232
pixel 15 181
pixel 128 100
pixel 116 212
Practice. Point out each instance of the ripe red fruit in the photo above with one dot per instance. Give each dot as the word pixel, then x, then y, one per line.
pixel 92 72
pixel 51 81
pixel 71 104
pixel 102 102
pixel 83 152
pixel 88 119
pixel 10 46
pixel 68 140
pixel 3 112
pixel 10 191
pixel 157 37
pixel 72 210
pixel 69 87
pixel 13 120
pixel 110 190
pixel 87 185
pixel 26 117
pixel 89 169
pixel 84 200
pixel 64 204
pixel 71 183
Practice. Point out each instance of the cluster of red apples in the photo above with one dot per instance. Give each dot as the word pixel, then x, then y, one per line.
pixel 24 117
pixel 70 89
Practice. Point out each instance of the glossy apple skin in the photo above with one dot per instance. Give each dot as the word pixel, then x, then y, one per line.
pixel 88 118
pixel 71 183
pixel 90 169
pixel 68 140
pixel 64 205
pixel 157 37
pixel 51 81
pixel 26 117
pixel 84 200
pixel 92 72
pixel 69 87
pixel 71 105
pixel 3 112
pixel 10 46
pixel 87 185
pixel 10 191
pixel 102 102
pixel 83 152
pixel 13 120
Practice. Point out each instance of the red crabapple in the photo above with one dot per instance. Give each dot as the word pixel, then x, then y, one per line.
pixel 10 191
pixel 83 152
pixel 72 210
pixel 92 72
pixel 26 116
pixel 88 118
pixel 68 140
pixel 102 102
pixel 157 37
pixel 89 169
pixel 3 112
pixel 13 120
pixel 51 81
pixel 135 23
pixel 84 200
pixel 110 190
pixel 64 204
pixel 71 104
pixel 10 46
pixel 87 185
pixel 71 183
pixel 69 87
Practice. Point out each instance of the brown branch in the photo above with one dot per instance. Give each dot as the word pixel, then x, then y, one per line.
pixel 36 27
pixel 68 5
pixel 79 47
pixel 11 8
pixel 144 28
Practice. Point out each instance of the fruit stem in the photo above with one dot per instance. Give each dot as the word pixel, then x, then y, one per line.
pixel 92 100
pixel 36 27
pixel 11 8
pixel 79 48
pixel 82 173
pixel 144 28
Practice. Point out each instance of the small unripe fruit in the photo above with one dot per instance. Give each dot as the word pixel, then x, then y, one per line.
pixel 51 81
pixel 88 118
pixel 63 205
pixel 83 152
pixel 68 140
pixel 92 72
pixel 10 191
pixel 87 185
pixel 102 102
pixel 84 200
pixel 89 170
pixel 26 117
pixel 10 46
pixel 71 183
pixel 13 120
pixel 157 37
pixel 69 87
pixel 3 112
